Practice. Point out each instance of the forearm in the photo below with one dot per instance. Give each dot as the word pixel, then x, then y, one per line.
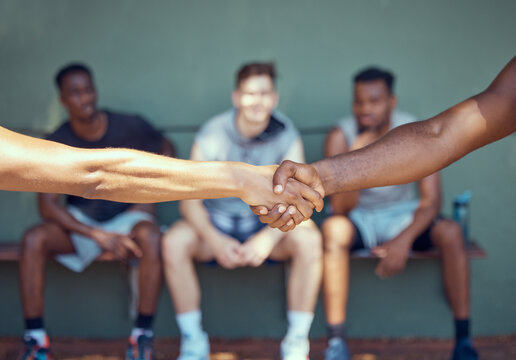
pixel 415 150
pixel 401 156
pixel 127 175
pixel 30 164
pixel 60 216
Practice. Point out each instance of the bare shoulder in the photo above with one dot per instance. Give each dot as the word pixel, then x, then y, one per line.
pixel 335 142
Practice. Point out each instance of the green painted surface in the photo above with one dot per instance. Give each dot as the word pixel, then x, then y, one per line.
pixel 174 61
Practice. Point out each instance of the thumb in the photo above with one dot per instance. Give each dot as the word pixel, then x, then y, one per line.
pixel 259 210
pixel 286 170
pixel 134 248
pixel 379 251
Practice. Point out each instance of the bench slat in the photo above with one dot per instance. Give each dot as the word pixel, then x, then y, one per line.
pixel 473 250
pixel 11 252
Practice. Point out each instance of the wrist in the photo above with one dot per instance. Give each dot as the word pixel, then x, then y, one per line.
pixel 95 234
pixel 240 173
pixel 321 167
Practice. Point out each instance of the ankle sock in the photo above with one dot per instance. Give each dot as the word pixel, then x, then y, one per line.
pixel 189 323
pixel 461 328
pixel 144 321
pixel 336 330
pixel 299 323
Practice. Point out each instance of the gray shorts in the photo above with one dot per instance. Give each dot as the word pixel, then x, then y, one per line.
pixel 383 224
pixel 86 249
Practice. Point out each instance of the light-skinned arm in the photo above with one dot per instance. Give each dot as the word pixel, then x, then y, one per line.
pixel 225 248
pixel 31 164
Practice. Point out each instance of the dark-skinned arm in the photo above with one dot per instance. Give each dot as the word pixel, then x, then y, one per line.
pixel 415 150
pixel 52 211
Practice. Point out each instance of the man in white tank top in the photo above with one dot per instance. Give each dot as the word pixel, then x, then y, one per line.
pixel 390 221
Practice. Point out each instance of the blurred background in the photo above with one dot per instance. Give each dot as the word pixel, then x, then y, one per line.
pixel 174 63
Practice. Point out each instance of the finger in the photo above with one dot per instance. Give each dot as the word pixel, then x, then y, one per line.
pixel 312 196
pixel 121 252
pixel 133 248
pixel 379 271
pixel 286 170
pixel 256 261
pixel 274 214
pixel 290 225
pixel 259 210
pixel 379 251
pixel 282 221
pixel 304 207
pixel 296 215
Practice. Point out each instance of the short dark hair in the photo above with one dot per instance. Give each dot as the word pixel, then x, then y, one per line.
pixel 374 74
pixel 256 68
pixel 70 69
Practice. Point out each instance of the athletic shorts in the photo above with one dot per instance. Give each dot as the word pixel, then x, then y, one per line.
pixel 375 227
pixel 86 249
pixel 240 228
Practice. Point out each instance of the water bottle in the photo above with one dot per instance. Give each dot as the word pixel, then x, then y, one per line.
pixel 461 212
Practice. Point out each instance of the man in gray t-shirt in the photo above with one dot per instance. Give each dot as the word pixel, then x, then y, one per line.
pixel 390 221
pixel 225 230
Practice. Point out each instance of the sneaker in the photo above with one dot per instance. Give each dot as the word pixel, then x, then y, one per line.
pixel 337 350
pixel 139 348
pixel 195 348
pixel 464 350
pixel 295 349
pixel 33 351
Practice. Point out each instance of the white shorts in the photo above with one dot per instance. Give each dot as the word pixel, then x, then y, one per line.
pixel 86 249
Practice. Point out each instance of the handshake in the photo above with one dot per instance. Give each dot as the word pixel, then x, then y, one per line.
pixel 297 191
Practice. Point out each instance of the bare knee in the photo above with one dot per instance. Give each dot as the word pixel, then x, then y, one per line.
pixel 34 241
pixel 148 237
pixel 447 236
pixel 178 243
pixel 338 232
pixel 307 243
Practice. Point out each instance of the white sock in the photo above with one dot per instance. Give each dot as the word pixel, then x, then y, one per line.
pixel 40 335
pixel 190 323
pixel 140 331
pixel 299 323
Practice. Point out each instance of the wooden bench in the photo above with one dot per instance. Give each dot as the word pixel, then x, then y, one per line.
pixel 473 250
pixel 11 252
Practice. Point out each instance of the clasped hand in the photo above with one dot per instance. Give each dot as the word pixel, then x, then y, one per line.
pixel 297 191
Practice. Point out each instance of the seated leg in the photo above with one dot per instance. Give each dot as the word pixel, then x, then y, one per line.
pixel 446 235
pixel 338 233
pixel 37 244
pixel 303 246
pixel 181 246
pixel 148 237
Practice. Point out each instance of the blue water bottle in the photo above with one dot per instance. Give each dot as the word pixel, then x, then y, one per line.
pixel 461 212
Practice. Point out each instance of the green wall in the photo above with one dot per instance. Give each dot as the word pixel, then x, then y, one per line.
pixel 174 62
